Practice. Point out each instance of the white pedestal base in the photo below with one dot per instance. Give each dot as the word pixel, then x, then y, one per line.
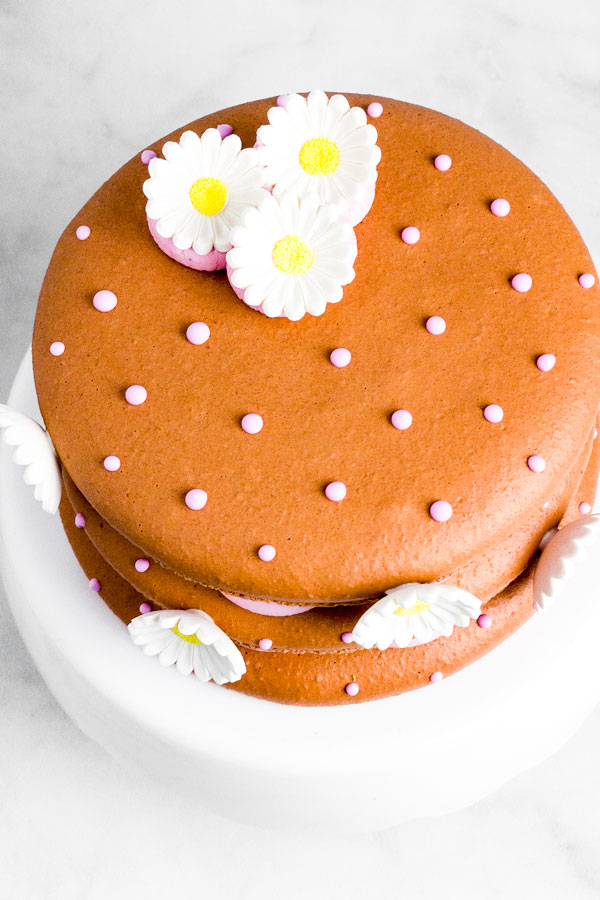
pixel 338 770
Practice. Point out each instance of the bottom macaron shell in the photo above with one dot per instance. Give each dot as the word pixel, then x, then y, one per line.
pixel 320 679
pixel 208 262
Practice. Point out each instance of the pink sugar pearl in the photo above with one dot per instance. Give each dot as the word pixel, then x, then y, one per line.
pixel 352 689
pixel 145 608
pixel 57 348
pixel 112 463
pixel 196 499
pixel 401 419
pixel 83 232
pixel 104 301
pixel 493 413
pixel 224 130
pixel 484 621
pixel 536 463
pixel 265 643
pixel 336 491
pixel 79 521
pixel 142 565
pixel 340 357
pixel 94 584
pixel 585 508
pixel 586 280
pixel 442 162
pixel 435 325
pixel 500 207
pixel 197 333
pixel 374 109
pixel 147 155
pixel 546 362
pixel 410 234
pixel 252 423
pixel 282 99
pixel 136 395
pixel 440 511
pixel 435 677
pixel 347 637
pixel 522 282
pixel 267 552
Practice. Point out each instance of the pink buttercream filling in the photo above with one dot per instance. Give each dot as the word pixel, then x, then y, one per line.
pixel 209 262
pixel 265 607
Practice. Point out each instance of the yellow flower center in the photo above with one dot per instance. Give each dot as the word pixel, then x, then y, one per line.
pixel 414 610
pixel 292 255
pixel 319 156
pixel 208 196
pixel 188 638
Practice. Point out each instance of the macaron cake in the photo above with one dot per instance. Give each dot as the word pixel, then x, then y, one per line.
pixel 321 374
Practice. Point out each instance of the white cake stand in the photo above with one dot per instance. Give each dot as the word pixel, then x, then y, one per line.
pixel 338 770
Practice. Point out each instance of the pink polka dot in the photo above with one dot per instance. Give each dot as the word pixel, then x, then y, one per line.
pixel 282 99
pixel 435 325
pixel 340 357
pixel 546 362
pixel 536 463
pixel 197 333
pixel 112 463
pixel 145 608
pixel 57 348
pixel 267 552
pixel 336 491
pixel 224 130
pixel 440 511
pixel 104 301
pixel 500 207
pixel 401 419
pixel 522 282
pixel 493 413
pixel 352 689
pixel 347 637
pixel 586 280
pixel 585 508
pixel 196 499
pixel 94 584
pixel 442 162
pixel 147 155
pixel 83 232
pixel 484 621
pixel 142 565
pixel 79 521
pixel 410 234
pixel 252 423
pixel 136 394
pixel 435 677
pixel 265 643
pixel 374 110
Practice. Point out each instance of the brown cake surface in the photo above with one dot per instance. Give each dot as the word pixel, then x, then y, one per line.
pixel 322 423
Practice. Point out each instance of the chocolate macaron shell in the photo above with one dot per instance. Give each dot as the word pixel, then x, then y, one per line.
pixel 322 423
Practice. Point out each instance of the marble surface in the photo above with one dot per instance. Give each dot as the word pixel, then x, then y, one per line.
pixel 85 86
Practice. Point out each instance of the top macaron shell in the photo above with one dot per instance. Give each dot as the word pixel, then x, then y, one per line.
pixel 324 424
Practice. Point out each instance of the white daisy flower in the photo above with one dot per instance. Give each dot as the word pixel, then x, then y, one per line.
pixel 321 145
pixel 419 611
pixel 291 256
pixel 566 550
pixel 190 640
pixel 33 448
pixel 197 192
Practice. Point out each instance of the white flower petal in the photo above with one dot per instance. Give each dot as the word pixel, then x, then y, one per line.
pixel 437 609
pixel 216 656
pixel 34 450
